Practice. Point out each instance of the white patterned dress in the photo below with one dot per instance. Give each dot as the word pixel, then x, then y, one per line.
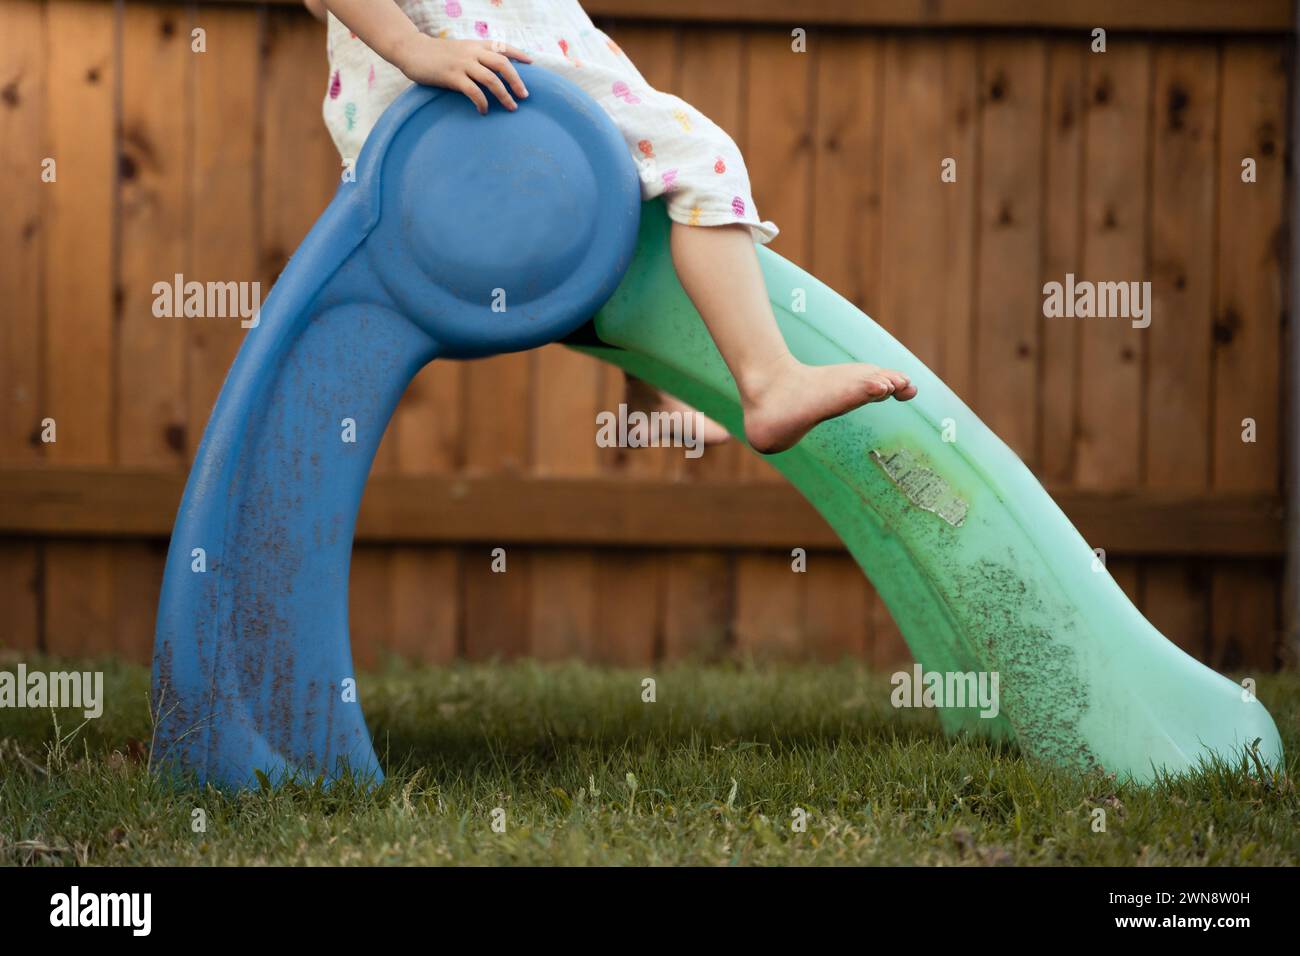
pixel 683 156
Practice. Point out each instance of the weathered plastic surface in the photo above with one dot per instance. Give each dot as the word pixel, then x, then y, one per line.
pixel 450 212
pixel 978 566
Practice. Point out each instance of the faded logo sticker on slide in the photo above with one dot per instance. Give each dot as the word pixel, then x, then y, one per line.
pixel 923 487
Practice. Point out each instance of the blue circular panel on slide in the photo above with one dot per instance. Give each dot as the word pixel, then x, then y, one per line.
pixel 505 231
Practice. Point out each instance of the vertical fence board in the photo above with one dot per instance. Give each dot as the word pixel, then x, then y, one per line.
pixel 1184 123
pixel 299 164
pixel 23 226
pixel 1009 304
pixel 770 601
pixel 1176 600
pixel 562 604
pixel 1062 220
pixel 1115 211
pixel 846 225
pixel 136 584
pixel 563 600
pixel 79 611
pixel 497 426
pixel 79 302
pixel 370 603
pixel 424 586
pixel 626 583
pixel 496 604
pixel 427 436
pixel 223 193
pixel 154 176
pixel 1251 240
pixel 1247 331
pixel 925 270
pixel 780 120
pixel 955 267
pixel 22 233
pixel 1182 267
pixel 1243 620
pixel 497 435
pixel 20 569
pixel 836 620
pixel 153 209
pixel 697 605
pixel 78 273
pixel 888 649
pixel 628 606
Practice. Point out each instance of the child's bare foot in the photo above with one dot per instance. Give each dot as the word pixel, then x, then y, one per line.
pixel 644 397
pixel 781 406
pixel 706 429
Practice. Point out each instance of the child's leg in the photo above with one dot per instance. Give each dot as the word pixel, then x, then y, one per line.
pixel 782 398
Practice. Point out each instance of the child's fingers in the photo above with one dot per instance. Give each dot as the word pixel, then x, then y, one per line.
pixel 498 63
pixel 487 78
pixel 476 95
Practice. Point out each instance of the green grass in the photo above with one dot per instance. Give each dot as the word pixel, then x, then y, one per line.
pixel 588 774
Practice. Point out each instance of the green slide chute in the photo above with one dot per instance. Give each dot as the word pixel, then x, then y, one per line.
pixel 978 566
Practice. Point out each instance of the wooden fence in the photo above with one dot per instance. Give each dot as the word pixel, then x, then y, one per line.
pixel 1123 166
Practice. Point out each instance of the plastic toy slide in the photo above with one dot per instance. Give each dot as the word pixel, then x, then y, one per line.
pixel 464 236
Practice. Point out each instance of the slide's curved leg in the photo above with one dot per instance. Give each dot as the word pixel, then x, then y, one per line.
pixel 460 236
pixel 979 567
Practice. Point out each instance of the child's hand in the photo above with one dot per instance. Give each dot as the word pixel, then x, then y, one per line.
pixel 462 65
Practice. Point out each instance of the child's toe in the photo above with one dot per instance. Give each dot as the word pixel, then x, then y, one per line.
pixel 878 387
pixel 900 386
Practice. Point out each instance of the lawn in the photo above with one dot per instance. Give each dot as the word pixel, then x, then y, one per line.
pixel 714 772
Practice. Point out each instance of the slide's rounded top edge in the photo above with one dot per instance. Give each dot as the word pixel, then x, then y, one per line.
pixel 499 232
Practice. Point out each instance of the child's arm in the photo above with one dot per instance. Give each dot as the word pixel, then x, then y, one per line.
pixel 459 65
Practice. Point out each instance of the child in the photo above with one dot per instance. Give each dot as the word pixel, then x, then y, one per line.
pixel 377 48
